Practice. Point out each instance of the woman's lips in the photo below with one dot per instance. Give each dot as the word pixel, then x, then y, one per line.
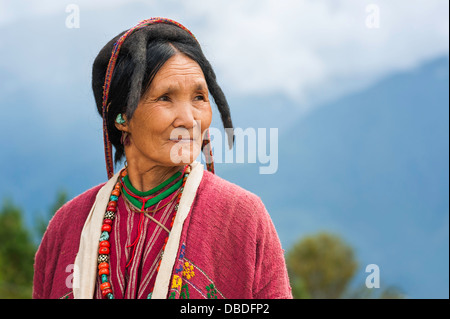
pixel 182 140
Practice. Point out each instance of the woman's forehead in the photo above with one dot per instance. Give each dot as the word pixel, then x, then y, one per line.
pixel 178 71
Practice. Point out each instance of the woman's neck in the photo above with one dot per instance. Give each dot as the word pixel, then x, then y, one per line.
pixel 147 178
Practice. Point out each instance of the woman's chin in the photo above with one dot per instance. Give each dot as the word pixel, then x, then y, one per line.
pixel 184 152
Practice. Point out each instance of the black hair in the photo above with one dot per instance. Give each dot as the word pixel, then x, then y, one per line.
pixel 141 56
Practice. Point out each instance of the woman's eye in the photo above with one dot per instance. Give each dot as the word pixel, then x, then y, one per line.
pixel 199 98
pixel 163 98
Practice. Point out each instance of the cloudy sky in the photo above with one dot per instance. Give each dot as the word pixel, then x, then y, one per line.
pixel 310 51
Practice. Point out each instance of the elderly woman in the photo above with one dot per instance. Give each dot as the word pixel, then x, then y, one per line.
pixel 163 226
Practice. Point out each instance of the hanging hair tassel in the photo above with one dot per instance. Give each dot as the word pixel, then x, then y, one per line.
pixel 207 152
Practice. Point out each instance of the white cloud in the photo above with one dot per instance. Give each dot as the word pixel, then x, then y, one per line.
pixel 309 50
pixel 314 50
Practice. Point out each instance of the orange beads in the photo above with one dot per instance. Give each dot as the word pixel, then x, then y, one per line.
pixel 106 291
pixel 103 250
pixel 103 271
pixel 115 192
pixel 103 265
pixel 105 285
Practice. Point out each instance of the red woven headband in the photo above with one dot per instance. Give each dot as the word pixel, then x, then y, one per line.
pixel 108 76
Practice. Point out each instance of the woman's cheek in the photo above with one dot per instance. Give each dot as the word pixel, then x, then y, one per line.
pixel 205 119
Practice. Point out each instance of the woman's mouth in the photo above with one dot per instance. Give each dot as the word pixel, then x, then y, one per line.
pixel 182 140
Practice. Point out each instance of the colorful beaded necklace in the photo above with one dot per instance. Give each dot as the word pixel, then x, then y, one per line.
pixel 104 243
pixel 147 199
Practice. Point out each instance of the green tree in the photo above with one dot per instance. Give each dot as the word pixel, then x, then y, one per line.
pixel 17 251
pixel 362 292
pixel 321 266
pixel 17 248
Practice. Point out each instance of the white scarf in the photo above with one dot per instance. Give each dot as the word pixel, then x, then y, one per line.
pixel 85 270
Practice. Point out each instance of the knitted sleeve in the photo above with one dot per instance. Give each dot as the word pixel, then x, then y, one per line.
pixel 54 259
pixel 271 278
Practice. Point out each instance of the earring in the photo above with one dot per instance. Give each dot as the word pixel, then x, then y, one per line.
pixel 119 119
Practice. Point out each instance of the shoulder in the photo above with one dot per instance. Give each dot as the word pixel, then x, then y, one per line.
pixel 231 202
pixel 224 192
pixel 59 245
pixel 76 210
pixel 69 220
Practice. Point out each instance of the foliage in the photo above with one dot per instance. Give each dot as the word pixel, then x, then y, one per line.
pixel 16 254
pixel 324 263
pixel 362 292
pixel 18 248
pixel 322 266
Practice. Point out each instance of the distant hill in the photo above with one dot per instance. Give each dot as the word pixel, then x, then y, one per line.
pixel 373 167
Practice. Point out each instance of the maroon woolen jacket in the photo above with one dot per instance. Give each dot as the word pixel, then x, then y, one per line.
pixel 228 248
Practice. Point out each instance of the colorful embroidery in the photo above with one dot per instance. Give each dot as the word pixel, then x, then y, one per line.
pixel 188 270
pixel 182 251
pixel 66 296
pixel 189 281
pixel 184 292
pixel 179 269
pixel 179 266
pixel 211 291
pixel 176 282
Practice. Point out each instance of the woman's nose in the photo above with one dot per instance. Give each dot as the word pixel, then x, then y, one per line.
pixel 184 116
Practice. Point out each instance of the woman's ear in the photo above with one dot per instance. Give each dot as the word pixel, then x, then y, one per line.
pixel 121 122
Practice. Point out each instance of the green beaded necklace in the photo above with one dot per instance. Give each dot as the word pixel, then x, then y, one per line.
pixel 157 198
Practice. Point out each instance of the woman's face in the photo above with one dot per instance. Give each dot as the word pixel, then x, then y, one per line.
pixel 168 124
